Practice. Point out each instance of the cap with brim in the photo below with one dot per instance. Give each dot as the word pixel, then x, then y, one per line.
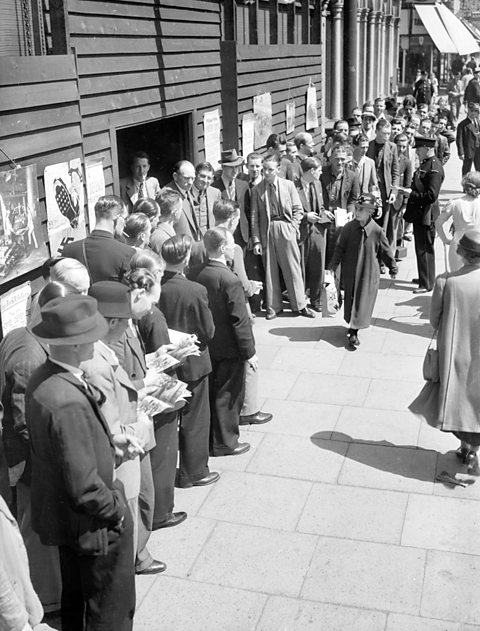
pixel 424 141
pixel 70 320
pixel 230 158
pixel 113 299
pixel 369 115
pixel 367 202
pixel 470 242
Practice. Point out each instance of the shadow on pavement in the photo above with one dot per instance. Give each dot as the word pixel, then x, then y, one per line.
pixel 334 335
pixel 422 303
pixel 423 330
pixel 408 461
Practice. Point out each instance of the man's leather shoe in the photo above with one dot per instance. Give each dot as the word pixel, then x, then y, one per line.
pixel 241 448
pixel 306 313
pixel 421 290
pixel 155 567
pixel 353 340
pixel 317 308
pixel 256 419
pixel 271 314
pixel 407 237
pixel 210 478
pixel 415 280
pixel 173 520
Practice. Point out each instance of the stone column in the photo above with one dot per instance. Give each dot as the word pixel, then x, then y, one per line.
pixel 336 11
pixel 360 64
pixel 395 48
pixel 323 44
pixel 388 71
pixel 363 54
pixel 371 56
pixel 350 57
pixel 381 53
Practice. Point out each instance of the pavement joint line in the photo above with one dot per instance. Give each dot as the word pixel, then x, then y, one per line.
pixel 191 568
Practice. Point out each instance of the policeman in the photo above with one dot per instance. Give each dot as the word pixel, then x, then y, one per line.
pixel 422 210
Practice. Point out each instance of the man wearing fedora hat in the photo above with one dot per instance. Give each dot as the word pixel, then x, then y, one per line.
pixel 422 210
pixel 235 189
pixel 76 504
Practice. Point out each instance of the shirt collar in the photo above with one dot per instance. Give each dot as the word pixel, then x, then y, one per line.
pixel 74 370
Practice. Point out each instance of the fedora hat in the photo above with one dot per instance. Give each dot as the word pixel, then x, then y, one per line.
pixel 470 241
pixel 230 158
pixel 70 320
pixel 113 299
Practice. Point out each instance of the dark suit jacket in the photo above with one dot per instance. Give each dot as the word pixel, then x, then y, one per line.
pixel 405 173
pixel 20 355
pixel 349 191
pixel 107 259
pixel 468 140
pixel 305 226
pixel 211 196
pixel 74 501
pixel 185 306
pixel 233 336
pixel 260 217
pixel 241 196
pixel 294 169
pixel 187 223
pixel 389 165
pixel 472 92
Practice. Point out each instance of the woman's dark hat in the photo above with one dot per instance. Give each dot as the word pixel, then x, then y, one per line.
pixel 470 242
pixel 230 158
pixel 113 299
pixel 70 320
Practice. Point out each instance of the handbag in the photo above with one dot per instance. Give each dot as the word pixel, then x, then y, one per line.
pixel 431 366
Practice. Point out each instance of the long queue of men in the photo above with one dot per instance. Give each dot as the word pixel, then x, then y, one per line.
pixel 94 473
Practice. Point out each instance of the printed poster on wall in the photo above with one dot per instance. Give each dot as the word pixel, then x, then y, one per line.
pixel 312 118
pixel 262 108
pixel 22 236
pixel 15 307
pixel 95 182
pixel 248 134
pixel 290 116
pixel 211 134
pixel 65 204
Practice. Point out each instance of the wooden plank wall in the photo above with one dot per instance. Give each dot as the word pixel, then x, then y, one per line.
pixel 284 71
pixel 143 60
pixel 40 119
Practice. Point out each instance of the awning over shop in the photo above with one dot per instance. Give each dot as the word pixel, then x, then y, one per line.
pixel 446 30
pixel 475 31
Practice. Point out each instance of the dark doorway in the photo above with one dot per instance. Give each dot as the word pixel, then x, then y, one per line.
pixel 166 141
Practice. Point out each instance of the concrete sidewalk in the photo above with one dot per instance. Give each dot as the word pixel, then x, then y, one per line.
pixel 333 520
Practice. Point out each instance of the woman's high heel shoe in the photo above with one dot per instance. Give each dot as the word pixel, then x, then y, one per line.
pixel 473 467
pixel 462 453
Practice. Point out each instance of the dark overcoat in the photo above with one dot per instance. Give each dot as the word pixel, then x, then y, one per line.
pixel 358 250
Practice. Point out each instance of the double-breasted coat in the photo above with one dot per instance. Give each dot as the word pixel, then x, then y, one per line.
pixel 358 250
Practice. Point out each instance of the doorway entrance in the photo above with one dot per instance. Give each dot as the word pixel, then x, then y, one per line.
pixel 166 141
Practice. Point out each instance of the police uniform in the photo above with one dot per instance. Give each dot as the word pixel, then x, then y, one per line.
pixel 422 211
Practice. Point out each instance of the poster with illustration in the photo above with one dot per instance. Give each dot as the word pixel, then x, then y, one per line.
pixel 95 182
pixel 22 236
pixel 312 117
pixel 290 116
pixel 262 108
pixel 64 198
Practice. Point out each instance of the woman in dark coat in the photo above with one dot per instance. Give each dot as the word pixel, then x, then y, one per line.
pixel 360 245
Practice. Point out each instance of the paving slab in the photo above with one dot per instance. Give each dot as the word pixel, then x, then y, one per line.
pixel 330 389
pixel 353 513
pixel 276 383
pixel 442 523
pixel 299 458
pixel 174 604
pixel 257 500
pixel 287 614
pixel 308 360
pixel 387 394
pixel 361 574
pixel 450 590
pixel 398 622
pixel 382 366
pixel 365 424
pixel 256 559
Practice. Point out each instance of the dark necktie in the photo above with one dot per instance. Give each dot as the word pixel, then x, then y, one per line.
pixel 273 199
pixel 141 190
pixel 313 198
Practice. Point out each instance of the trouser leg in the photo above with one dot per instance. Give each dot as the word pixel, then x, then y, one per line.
pixel 288 256
pixel 227 389
pixel 194 433
pixel 250 403
pixel 146 504
pixel 163 458
pixel 315 268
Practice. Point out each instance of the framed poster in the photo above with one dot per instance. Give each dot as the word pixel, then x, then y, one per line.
pixel 95 182
pixel 312 118
pixel 290 116
pixel 262 108
pixel 22 236
pixel 248 134
pixel 15 307
pixel 211 134
pixel 65 204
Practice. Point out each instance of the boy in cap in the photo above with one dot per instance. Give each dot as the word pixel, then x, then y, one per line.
pixel 76 504
pixel 360 245
pixel 422 210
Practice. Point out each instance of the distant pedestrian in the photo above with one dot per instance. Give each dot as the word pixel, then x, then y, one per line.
pixel 423 89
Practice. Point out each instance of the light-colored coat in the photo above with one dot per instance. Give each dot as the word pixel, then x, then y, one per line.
pixel 120 411
pixel 128 191
pixel 289 202
pixel 455 312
